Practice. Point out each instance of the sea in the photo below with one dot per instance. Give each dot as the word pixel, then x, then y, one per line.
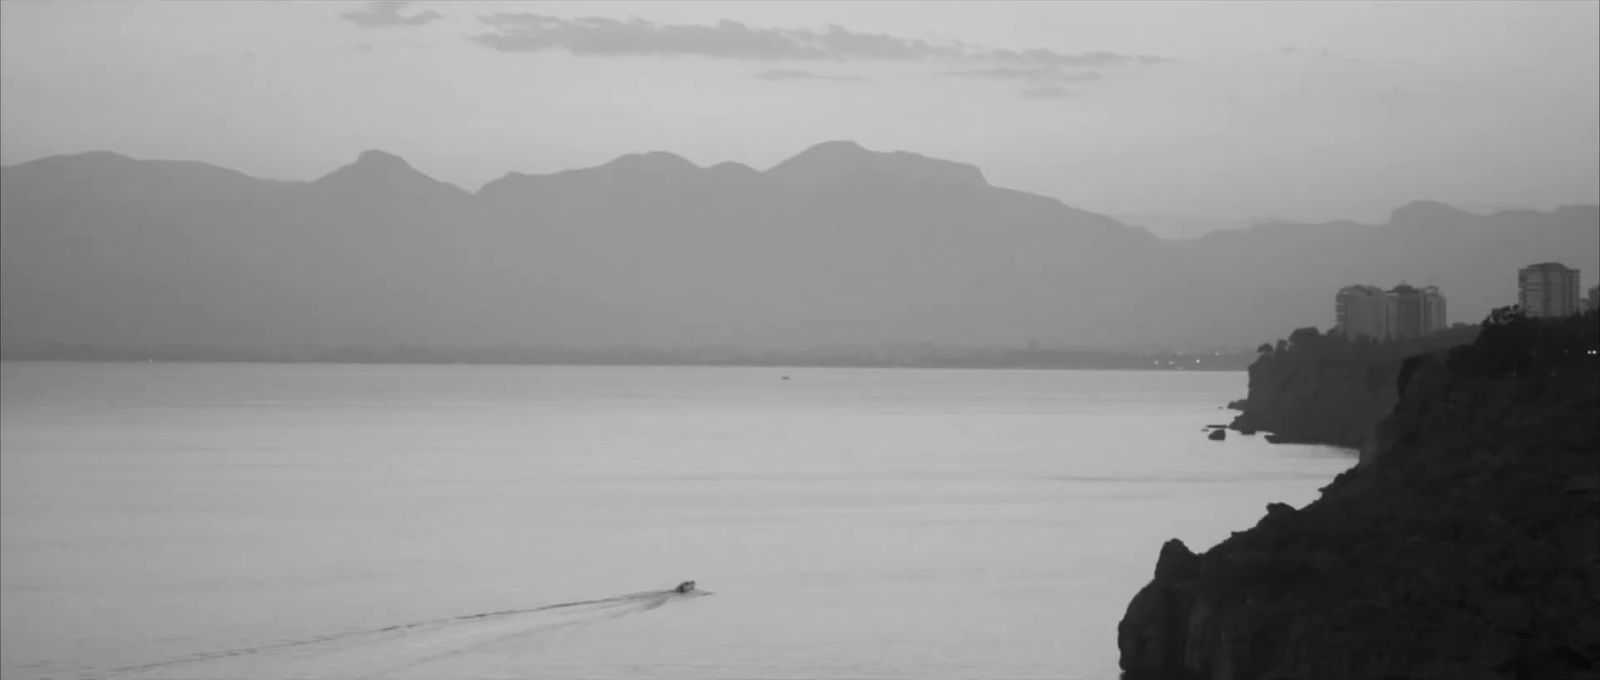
pixel 173 520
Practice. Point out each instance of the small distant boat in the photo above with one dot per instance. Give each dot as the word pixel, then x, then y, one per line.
pixel 685 587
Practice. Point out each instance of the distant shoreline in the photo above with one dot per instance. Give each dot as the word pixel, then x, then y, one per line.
pixel 1204 367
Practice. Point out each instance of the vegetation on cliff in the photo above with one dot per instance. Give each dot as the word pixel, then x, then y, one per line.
pixel 1326 389
pixel 1463 545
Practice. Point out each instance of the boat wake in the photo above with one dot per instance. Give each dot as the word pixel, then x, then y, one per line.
pixel 416 649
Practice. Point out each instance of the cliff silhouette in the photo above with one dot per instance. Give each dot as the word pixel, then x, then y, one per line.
pixel 1462 545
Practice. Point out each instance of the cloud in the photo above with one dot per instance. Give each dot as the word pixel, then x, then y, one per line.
pixel 1037 74
pixel 779 74
pixel 726 39
pixel 386 14
pixel 613 38
pixel 842 43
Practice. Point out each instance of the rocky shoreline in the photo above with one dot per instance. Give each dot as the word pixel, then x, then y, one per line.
pixel 1462 545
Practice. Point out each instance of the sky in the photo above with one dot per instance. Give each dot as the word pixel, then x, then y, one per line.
pixel 1188 115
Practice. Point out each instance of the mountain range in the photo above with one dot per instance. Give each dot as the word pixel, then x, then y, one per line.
pixel 837 246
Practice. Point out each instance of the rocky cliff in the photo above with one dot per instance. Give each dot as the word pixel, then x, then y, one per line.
pixel 1464 544
pixel 1323 389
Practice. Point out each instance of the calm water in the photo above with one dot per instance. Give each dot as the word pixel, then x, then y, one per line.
pixel 245 521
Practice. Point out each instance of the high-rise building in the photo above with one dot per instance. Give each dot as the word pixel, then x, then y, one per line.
pixel 1406 307
pixel 1402 313
pixel 1594 299
pixel 1362 311
pixel 1548 289
pixel 1433 311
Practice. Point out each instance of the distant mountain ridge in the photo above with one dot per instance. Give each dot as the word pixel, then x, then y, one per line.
pixel 836 246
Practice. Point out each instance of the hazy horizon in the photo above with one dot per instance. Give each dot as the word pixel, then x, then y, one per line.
pixel 1192 113
pixel 1176 226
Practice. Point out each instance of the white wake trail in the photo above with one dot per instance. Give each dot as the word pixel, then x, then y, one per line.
pixel 380 652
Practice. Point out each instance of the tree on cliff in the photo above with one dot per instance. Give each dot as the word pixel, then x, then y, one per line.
pixel 1505 344
pixel 1512 344
pixel 1305 339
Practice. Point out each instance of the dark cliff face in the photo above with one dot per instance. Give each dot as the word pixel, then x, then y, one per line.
pixel 1317 404
pixel 1319 389
pixel 1465 545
